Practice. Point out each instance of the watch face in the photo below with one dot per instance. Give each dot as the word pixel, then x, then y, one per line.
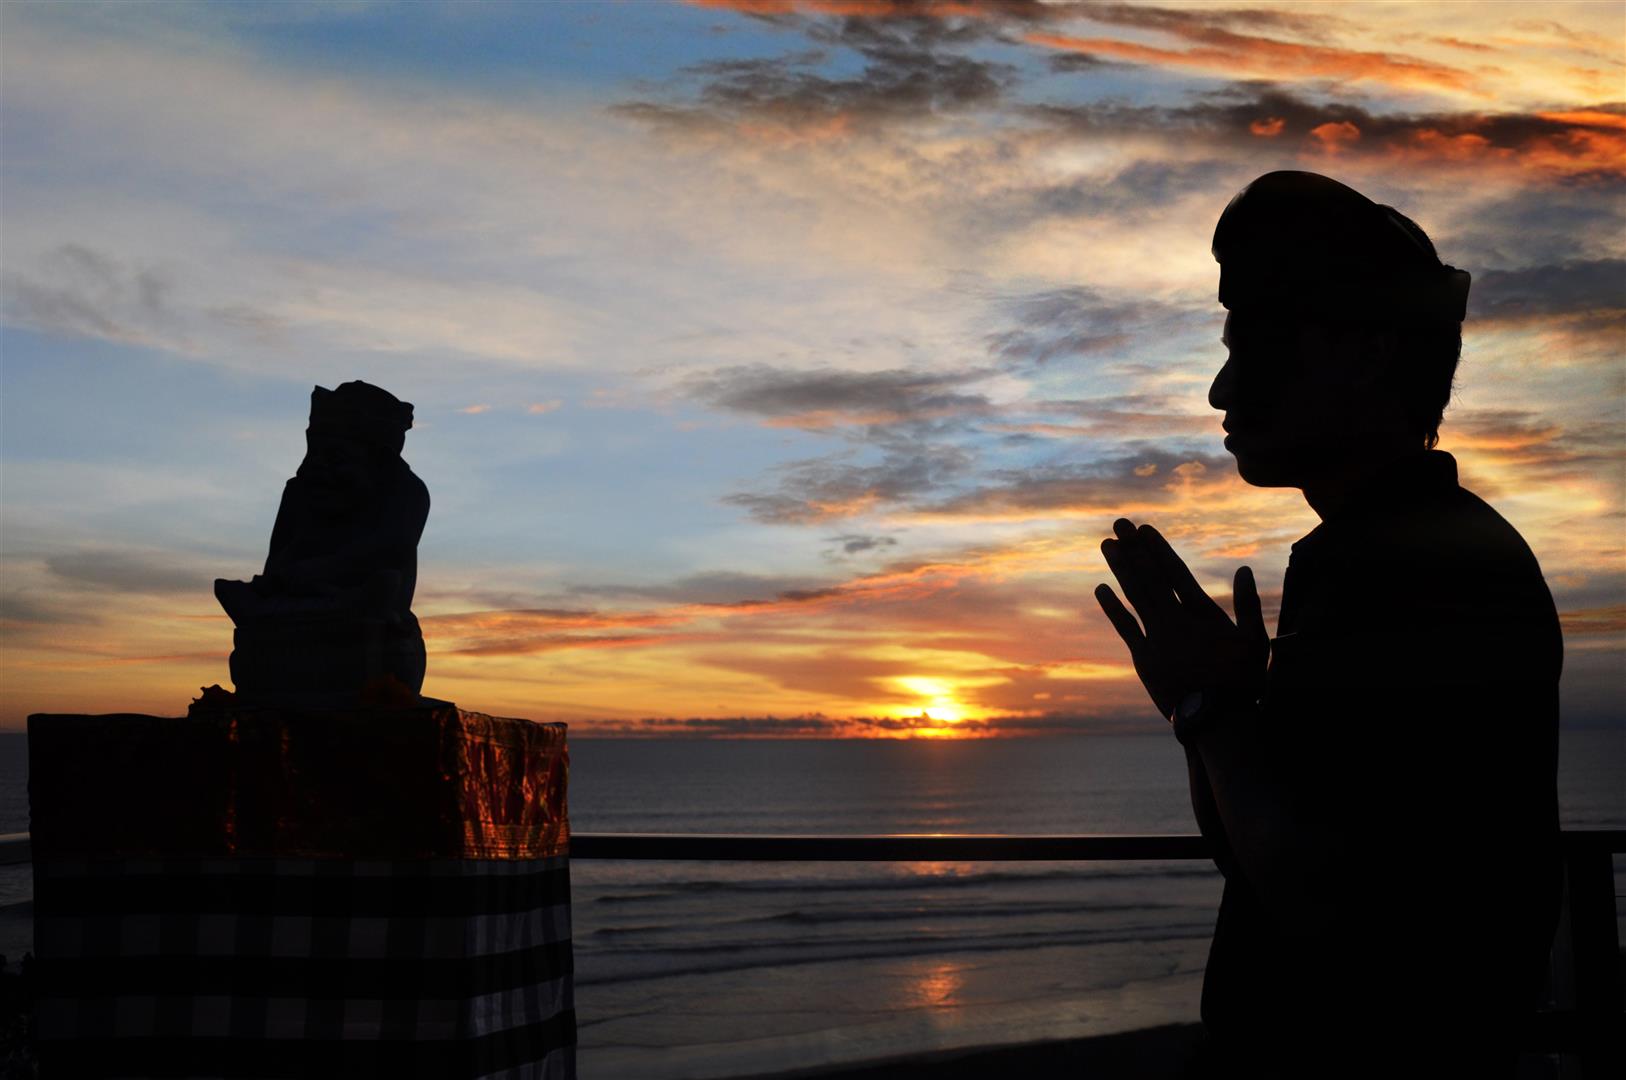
pixel 1190 704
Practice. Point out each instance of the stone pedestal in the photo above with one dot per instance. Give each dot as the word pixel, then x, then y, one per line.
pixel 302 892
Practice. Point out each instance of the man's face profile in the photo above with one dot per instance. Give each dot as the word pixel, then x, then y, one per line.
pixel 1297 395
pixel 1343 331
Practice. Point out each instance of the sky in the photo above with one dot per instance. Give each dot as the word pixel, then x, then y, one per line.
pixel 778 365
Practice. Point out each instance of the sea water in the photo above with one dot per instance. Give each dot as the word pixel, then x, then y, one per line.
pixel 711 969
pixel 696 969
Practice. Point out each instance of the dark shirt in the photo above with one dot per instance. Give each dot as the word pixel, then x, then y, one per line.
pixel 1410 719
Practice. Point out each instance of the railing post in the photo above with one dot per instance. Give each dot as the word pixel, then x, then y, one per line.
pixel 1595 959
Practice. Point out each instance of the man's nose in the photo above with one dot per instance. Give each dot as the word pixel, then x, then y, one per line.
pixel 1222 394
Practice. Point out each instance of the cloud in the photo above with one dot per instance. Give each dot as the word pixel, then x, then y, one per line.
pixel 1594 289
pixel 77 291
pixel 529 631
pixel 858 544
pixel 1610 620
pixel 828 397
pixel 1587 145
pixel 546 643
pixel 1120 416
pixel 1534 226
pixel 128 572
pixel 1078 321
pixel 292 242
pixel 826 489
pixel 705 607
pixel 1537 448
pixel 719 587
pixel 539 408
pixel 1200 23
pixel 1094 488
pixel 1018 12
pixel 1105 720
pixel 20 607
pixel 909 10
pixel 813 725
pixel 1547 33
pixel 910 75
pixel 1214 47
pixel 474 410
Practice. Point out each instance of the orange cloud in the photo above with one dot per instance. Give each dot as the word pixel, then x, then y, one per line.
pixel 1459 43
pixel 1242 55
pixel 1587 118
pixel 1333 138
pixel 1576 151
pixel 1603 620
pixel 796 134
pixel 878 8
pixel 553 643
pixel 1268 128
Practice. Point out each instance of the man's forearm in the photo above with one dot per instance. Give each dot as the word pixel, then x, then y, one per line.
pixel 1266 833
pixel 1207 814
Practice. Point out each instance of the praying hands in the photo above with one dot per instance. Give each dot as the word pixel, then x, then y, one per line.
pixel 1184 641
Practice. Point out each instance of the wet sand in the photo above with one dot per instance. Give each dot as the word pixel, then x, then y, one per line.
pixel 1158 1053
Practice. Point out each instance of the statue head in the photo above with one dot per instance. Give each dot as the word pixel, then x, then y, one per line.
pixel 352 445
pixel 1344 328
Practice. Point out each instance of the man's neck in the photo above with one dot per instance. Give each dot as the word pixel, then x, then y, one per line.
pixel 1329 491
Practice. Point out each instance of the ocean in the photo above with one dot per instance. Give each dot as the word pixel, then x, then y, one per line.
pixel 710 969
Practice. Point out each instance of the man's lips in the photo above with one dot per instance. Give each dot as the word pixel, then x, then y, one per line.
pixel 1234 433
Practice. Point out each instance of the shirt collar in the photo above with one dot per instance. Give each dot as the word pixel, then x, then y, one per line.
pixel 1428 474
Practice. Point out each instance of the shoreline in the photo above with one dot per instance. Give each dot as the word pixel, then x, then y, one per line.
pixel 1163 1052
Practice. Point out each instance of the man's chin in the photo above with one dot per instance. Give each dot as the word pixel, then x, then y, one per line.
pixel 1264 470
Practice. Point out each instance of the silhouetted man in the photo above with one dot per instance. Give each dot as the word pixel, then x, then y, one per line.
pixel 1377 782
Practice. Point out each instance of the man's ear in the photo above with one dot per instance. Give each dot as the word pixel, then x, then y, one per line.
pixel 1369 354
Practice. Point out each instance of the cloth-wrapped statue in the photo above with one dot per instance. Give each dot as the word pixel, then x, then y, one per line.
pixel 329 621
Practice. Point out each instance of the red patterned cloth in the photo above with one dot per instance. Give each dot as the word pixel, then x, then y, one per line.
pixel 281 892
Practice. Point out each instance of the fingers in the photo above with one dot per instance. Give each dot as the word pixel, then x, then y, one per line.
pixel 1177 575
pixel 1250 615
pixel 1141 579
pixel 1122 621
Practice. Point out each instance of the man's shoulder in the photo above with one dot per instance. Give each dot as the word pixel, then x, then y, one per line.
pixel 1466 526
pixel 1448 533
pixel 1444 556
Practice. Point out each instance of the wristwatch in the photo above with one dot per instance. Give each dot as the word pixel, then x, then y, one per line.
pixel 1192 714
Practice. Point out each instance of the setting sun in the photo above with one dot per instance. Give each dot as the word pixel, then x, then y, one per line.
pixel 937 697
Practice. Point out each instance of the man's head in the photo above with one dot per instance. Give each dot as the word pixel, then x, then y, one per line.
pixel 1344 329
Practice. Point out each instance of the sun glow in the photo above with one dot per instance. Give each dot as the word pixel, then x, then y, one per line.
pixel 936 706
pixel 937 696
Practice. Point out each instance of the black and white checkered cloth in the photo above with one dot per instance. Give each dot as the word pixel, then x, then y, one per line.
pixel 280 967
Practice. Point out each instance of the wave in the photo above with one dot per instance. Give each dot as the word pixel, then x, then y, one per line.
pixel 709 958
pixel 836 916
pixel 663 889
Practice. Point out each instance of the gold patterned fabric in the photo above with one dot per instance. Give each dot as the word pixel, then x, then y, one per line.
pixel 414 782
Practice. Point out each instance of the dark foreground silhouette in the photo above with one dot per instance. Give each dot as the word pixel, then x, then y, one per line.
pixel 331 615
pixel 1412 683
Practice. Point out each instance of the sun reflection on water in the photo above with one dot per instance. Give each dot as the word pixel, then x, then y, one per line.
pixel 936 984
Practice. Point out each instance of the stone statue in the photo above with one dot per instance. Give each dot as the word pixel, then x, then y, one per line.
pixel 330 618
